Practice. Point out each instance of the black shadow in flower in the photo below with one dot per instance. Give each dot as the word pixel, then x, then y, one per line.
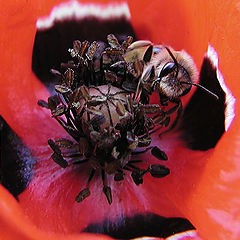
pixel 51 45
pixel 16 162
pixel 203 119
pixel 141 225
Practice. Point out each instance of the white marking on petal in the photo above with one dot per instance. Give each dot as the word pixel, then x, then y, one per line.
pixel 76 10
pixel 191 234
pixel 230 99
pixel 146 238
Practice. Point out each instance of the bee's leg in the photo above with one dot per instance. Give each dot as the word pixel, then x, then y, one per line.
pixel 163 100
pixel 178 107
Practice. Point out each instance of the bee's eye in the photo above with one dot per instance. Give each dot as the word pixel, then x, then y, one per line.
pixel 167 68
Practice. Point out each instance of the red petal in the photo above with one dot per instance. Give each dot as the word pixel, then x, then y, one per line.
pixel 15 225
pixel 209 191
pixel 211 198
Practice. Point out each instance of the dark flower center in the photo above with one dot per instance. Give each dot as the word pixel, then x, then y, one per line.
pixel 96 105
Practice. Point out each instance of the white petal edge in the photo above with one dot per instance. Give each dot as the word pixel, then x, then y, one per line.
pixel 188 235
pixel 146 238
pixel 230 99
pixel 77 10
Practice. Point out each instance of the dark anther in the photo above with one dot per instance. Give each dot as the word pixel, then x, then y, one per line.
pixel 126 43
pixel 42 103
pixel 92 50
pixel 158 171
pixel 56 73
pixel 62 142
pixel 57 158
pixel 54 146
pixel 158 153
pixel 53 102
pixel 82 195
pixel 60 110
pixel 112 41
pixel 108 193
pixel 137 177
pixel 62 89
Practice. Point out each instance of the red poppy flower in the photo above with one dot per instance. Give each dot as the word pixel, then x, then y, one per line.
pixel 203 185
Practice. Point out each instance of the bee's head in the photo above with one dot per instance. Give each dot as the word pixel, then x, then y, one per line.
pixel 177 75
pixel 171 76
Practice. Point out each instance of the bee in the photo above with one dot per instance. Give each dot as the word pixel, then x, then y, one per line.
pixel 168 72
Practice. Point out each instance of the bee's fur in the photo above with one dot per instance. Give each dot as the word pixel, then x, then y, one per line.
pixel 170 85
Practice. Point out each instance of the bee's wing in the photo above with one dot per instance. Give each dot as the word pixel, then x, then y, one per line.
pixel 138 91
pixel 139 50
pixel 146 79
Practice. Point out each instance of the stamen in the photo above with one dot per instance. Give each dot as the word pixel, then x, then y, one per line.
pixel 95 104
pixel 82 195
pixel 133 166
pixel 91 176
pixel 137 177
pixel 158 171
pixel 42 103
pixel 57 158
pixel 158 153
pixel 108 193
pixel 54 146
pixel 80 161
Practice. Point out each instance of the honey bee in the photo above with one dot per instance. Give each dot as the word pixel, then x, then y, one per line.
pixel 168 72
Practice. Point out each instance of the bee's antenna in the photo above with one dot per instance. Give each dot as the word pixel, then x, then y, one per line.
pixel 174 59
pixel 203 88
